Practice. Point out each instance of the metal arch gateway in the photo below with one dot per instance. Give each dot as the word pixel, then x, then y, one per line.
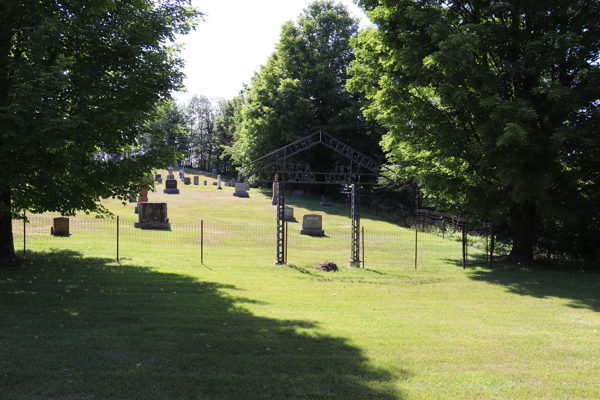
pixel 346 176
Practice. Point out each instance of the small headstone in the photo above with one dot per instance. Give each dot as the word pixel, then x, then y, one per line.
pixel 196 180
pixel 187 180
pixel 298 193
pixel 275 193
pixel 214 183
pixel 61 226
pixel 153 216
pixel 288 214
pixel 182 175
pixel 241 190
pixel 312 224
pixel 171 187
pixel 205 183
pixel 326 201
pixel 143 197
pixel 219 182
pixel 157 177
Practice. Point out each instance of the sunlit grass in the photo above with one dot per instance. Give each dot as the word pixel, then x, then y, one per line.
pixel 162 324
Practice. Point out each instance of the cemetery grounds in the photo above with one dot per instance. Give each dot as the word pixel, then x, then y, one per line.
pixel 202 311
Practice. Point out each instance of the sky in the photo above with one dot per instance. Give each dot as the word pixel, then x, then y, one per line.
pixel 235 39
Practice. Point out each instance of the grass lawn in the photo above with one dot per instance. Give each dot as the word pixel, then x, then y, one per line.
pixel 158 327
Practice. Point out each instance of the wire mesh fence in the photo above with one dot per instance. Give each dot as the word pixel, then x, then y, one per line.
pixel 212 241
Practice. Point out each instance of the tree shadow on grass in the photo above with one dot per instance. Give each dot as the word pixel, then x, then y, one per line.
pixel 76 327
pixel 583 290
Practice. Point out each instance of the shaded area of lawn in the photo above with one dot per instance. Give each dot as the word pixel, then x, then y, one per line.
pixel 583 290
pixel 75 327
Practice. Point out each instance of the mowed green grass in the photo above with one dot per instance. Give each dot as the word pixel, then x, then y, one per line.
pixel 78 325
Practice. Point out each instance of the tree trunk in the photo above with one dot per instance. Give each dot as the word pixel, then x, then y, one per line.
pixel 7 248
pixel 523 225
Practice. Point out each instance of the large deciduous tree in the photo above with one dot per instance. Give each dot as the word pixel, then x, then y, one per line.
pixel 491 105
pixel 301 89
pixel 78 78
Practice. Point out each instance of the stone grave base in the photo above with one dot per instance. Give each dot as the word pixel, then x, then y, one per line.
pixel 326 203
pixel 241 194
pixel 354 263
pixel 152 225
pixel 312 232
pixel 171 191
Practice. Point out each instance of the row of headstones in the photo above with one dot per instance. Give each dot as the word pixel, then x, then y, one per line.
pixel 188 181
pixel 155 216
pixel 325 200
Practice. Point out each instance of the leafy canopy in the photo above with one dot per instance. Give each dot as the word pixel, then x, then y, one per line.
pixel 492 106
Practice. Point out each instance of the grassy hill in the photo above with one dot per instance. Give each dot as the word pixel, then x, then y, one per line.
pixel 161 325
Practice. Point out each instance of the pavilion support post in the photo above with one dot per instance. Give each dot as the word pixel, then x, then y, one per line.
pixel 281 225
pixel 355 206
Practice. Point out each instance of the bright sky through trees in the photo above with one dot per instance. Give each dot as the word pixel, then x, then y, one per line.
pixel 235 39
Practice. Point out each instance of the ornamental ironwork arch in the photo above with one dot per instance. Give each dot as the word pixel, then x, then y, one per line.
pixel 274 166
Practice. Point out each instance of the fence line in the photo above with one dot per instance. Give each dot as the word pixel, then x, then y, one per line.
pixel 214 241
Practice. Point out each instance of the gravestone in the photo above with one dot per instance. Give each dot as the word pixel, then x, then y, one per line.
pixel 241 190
pixel 312 224
pixel 288 214
pixel 153 216
pixel 61 227
pixel 326 201
pixel 298 193
pixel 214 183
pixel 275 193
pixel 219 182
pixel 157 177
pixel 143 197
pixel 171 187
pixel 182 175
pixel 205 183
pixel 170 175
pixel 196 180
pixel 187 180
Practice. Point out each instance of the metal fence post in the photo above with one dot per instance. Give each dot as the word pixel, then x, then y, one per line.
pixel 492 245
pixel 118 238
pixel 363 245
pixel 24 233
pixel 416 241
pixel 201 241
pixel 464 245
pixel 286 242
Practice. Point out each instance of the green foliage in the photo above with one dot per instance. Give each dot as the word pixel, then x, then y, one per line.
pixel 492 107
pixel 301 89
pixel 204 139
pixel 79 79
